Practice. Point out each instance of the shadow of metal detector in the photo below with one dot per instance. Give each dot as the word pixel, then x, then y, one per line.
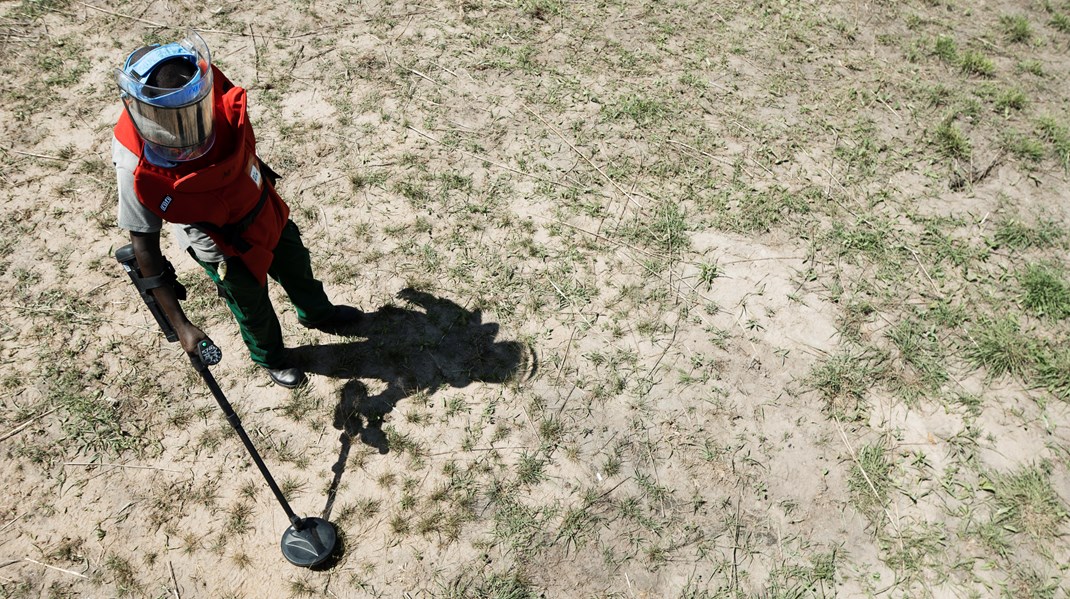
pixel 307 542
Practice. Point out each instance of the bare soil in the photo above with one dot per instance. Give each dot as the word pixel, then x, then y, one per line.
pixel 640 282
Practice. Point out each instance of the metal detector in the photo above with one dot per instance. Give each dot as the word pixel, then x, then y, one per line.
pixel 307 542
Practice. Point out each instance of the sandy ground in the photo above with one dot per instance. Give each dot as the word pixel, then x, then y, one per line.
pixel 586 368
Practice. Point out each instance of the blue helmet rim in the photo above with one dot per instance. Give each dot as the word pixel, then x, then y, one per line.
pixel 142 69
pixel 134 74
pixel 176 123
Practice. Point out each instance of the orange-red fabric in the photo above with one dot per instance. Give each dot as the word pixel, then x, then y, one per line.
pixel 221 187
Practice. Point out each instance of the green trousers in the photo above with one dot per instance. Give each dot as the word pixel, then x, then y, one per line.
pixel 249 302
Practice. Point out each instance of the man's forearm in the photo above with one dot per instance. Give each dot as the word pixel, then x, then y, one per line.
pixel 151 261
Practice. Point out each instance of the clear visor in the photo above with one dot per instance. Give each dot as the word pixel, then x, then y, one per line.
pixel 176 122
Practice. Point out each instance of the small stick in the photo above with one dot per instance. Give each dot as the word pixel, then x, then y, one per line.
pixel 675 329
pixel 497 164
pixel 735 543
pixel 707 155
pixel 268 37
pixel 762 259
pixel 506 167
pixel 117 14
pixel 415 72
pixel 892 110
pixel 532 425
pixel 178 595
pixel 80 317
pixel 872 487
pixel 585 158
pixel 611 489
pixel 456 451
pixel 131 466
pixel 444 68
pixel 568 346
pixel 326 223
pixel 97 287
pixel 10 524
pixel 18 429
pixel 564 402
pixel 318 183
pixel 405 28
pixel 55 568
pixel 599 236
pixel 45 156
pixel 922 266
pixel 256 51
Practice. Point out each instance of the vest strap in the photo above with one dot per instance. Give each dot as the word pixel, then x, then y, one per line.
pixel 231 233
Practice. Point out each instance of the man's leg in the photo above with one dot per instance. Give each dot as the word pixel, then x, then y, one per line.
pixel 249 303
pixel 292 268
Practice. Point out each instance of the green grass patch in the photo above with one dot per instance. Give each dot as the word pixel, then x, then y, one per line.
pixel 973 62
pixel 1027 582
pixel 815 580
pixel 870 479
pixel 1024 147
pixel 921 350
pixel 758 211
pixel 1060 22
pixel 950 139
pixel 1000 347
pixel 1011 98
pixel 870 237
pixel 1024 501
pixel 665 231
pixel 1018 235
pixel 947 314
pixel 1053 131
pixel 1045 291
pixel 1053 371
pixel 842 382
pixel 121 573
pixel 63 64
pixel 519 526
pixel 642 110
pixel 414 192
pixel 1016 28
pixel 855 314
pixel 942 247
pixel 946 48
pixel 499 585
pixel 1033 67
pixel 31 9
pixel 918 551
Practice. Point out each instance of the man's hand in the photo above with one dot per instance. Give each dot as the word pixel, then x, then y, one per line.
pixel 190 337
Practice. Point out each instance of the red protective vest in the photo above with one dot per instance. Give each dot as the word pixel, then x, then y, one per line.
pixel 220 188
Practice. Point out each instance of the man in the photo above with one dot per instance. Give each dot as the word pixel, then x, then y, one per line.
pixel 185 153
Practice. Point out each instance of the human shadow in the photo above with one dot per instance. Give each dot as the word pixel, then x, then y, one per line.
pixel 421 350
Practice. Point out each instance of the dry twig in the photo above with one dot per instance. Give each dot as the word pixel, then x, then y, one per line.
pixel 119 14
pixel 130 466
pixel 71 572
pixel 585 158
pixel 18 429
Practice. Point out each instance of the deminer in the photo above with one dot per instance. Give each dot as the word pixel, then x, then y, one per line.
pixel 185 153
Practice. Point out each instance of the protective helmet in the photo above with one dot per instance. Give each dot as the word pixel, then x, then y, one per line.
pixel 172 114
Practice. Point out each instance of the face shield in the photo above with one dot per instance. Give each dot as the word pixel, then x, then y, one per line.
pixel 175 121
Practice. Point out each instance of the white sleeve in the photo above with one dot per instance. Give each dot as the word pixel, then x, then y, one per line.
pixel 132 215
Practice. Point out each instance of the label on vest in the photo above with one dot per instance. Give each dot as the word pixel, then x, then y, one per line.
pixel 254 173
pixel 165 203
